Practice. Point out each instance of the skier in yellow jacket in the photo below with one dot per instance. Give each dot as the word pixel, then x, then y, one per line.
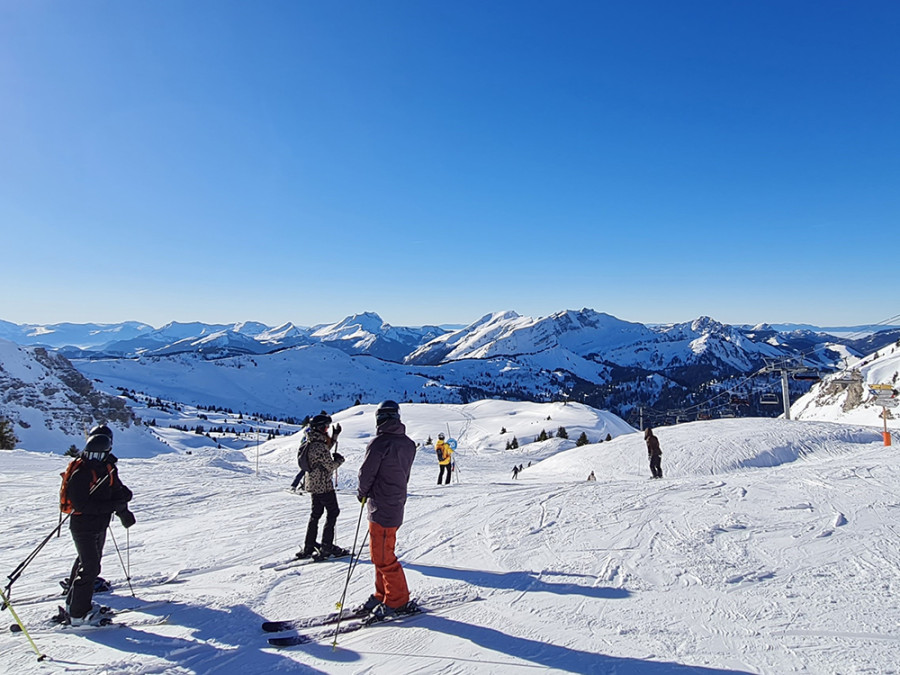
pixel 444 453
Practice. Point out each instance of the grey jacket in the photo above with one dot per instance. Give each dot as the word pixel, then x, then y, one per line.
pixel 384 473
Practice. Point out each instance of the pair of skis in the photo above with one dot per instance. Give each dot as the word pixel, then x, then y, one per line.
pixel 109 615
pixel 281 565
pixel 139 582
pixel 324 627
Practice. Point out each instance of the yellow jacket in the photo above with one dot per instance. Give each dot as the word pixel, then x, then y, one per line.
pixel 443 451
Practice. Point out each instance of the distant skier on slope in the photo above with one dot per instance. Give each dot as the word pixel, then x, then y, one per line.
pixel 91 491
pixel 515 472
pixel 383 478
pixel 321 489
pixel 444 453
pixel 654 453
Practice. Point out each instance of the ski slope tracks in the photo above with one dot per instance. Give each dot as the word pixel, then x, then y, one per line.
pixel 769 547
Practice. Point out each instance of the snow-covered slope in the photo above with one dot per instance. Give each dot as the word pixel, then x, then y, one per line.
pixel 50 404
pixel 845 397
pixel 302 380
pixel 731 564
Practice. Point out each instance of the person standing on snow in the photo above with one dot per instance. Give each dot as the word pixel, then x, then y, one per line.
pixel 321 488
pixel 93 492
pixel 383 478
pixel 444 454
pixel 515 472
pixel 654 453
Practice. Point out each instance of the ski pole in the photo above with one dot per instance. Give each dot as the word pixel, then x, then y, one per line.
pixel 121 560
pixel 335 468
pixel 7 604
pixel 16 573
pixel 350 568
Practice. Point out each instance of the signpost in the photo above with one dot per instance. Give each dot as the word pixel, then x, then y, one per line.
pixel 885 396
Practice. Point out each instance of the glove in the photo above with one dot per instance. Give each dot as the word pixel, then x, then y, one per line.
pixel 338 457
pixel 127 518
pixel 361 500
pixel 335 431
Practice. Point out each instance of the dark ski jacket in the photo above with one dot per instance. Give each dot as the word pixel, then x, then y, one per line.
pixel 321 463
pixel 653 449
pixel 384 473
pixel 93 510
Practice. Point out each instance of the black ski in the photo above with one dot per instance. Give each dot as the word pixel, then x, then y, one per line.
pixel 349 627
pixel 355 624
pixel 138 582
pixel 310 622
pixel 282 565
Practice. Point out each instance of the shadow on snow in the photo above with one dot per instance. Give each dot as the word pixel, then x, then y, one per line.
pixel 518 581
pixel 223 640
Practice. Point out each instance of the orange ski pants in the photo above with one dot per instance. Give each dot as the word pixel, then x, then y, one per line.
pixel 390 582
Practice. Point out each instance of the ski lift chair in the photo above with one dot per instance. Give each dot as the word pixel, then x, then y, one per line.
pixel 769 399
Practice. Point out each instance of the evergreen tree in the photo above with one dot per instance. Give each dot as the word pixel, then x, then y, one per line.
pixel 582 440
pixel 72 451
pixel 502 430
pixel 542 436
pixel 609 437
pixel 514 443
pixel 8 439
pixel 562 433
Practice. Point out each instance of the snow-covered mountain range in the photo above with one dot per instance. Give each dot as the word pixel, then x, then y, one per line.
pixel 628 368
pixel 585 332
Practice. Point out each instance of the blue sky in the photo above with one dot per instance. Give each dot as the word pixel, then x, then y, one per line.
pixel 437 161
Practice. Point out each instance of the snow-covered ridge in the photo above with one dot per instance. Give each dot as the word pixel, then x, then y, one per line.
pixel 508 334
pixel 51 404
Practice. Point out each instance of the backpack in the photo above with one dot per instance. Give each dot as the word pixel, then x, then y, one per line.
pixel 303 456
pixel 65 504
